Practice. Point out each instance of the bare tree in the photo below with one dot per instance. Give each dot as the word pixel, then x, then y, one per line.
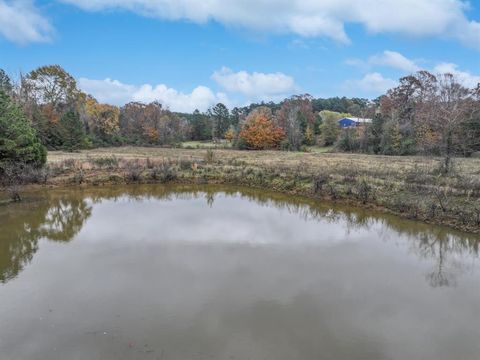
pixel 452 109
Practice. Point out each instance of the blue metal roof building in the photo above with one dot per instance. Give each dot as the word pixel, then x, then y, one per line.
pixel 353 122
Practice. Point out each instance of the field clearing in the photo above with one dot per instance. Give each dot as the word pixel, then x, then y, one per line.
pixel 311 162
pixel 409 186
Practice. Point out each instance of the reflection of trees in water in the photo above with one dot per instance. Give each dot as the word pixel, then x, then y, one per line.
pixel 449 253
pixel 448 248
pixel 58 219
pixel 64 220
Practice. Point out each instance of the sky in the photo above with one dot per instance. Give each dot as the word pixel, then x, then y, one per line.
pixel 191 54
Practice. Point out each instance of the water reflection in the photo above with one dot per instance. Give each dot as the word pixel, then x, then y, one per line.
pixel 60 215
pixel 54 217
pixel 154 272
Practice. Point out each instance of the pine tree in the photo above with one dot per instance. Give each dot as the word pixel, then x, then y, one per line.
pixel 73 130
pixel 19 143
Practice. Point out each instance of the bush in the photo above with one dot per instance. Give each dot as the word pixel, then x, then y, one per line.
pixel 348 140
pixel 210 156
pixel 286 146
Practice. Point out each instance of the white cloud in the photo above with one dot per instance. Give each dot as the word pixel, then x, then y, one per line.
pixel 312 18
pixel 255 86
pixel 22 23
pixel 114 92
pixel 394 60
pixel 372 84
pixel 467 79
pixel 387 58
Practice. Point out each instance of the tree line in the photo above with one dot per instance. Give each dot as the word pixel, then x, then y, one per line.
pixel 424 114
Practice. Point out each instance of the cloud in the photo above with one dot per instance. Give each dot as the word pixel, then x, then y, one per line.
pixel 375 84
pixel 394 60
pixel 311 18
pixel 372 84
pixel 115 92
pixel 22 23
pixel 467 79
pixel 387 58
pixel 256 86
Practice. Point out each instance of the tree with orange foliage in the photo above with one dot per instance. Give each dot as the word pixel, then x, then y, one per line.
pixel 102 119
pixel 230 135
pixel 260 133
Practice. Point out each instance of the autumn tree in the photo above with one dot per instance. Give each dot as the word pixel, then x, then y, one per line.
pixel 260 133
pixel 151 124
pixel 46 94
pixel 51 85
pixel 230 134
pixel 470 132
pixel 452 110
pixel 409 108
pixel 294 118
pixel 102 119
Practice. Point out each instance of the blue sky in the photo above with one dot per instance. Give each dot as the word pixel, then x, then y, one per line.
pixel 192 53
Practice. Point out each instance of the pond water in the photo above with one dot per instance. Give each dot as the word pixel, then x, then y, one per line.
pixel 155 272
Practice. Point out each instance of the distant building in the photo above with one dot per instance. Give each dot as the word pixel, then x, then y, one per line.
pixel 353 122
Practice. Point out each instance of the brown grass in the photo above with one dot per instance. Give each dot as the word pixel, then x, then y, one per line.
pixel 412 187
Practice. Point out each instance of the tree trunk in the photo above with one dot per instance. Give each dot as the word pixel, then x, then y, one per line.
pixel 448 154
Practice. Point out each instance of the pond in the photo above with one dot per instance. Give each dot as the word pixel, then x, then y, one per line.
pixel 178 272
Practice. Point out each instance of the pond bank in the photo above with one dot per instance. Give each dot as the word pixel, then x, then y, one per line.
pixel 409 187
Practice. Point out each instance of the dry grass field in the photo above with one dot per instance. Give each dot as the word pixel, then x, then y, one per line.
pixel 383 166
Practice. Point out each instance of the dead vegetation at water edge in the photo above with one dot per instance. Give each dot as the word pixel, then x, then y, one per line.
pixel 412 187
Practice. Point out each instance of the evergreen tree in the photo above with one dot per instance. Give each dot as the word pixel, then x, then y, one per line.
pixel 221 120
pixel 19 143
pixel 73 130
pixel 50 132
pixel 5 82
pixel 376 133
pixel 201 126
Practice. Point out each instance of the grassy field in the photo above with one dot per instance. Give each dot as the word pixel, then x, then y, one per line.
pixel 412 187
pixel 206 144
pixel 315 161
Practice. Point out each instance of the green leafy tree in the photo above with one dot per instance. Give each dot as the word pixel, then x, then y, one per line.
pixel 19 143
pixel 330 129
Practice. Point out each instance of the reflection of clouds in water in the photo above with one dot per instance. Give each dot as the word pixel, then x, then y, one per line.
pixel 252 275
pixel 236 218
pixel 229 220
pixel 182 214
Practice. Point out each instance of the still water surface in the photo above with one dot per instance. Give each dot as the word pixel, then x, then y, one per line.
pixel 154 272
